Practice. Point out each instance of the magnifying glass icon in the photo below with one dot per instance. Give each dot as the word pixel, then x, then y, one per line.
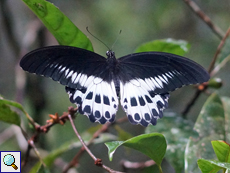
pixel 9 160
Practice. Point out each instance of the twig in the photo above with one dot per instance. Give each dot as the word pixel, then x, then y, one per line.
pixel 211 67
pixel 55 119
pixel 191 103
pixel 205 18
pixel 103 129
pixel 81 140
pixel 219 48
pixel 97 161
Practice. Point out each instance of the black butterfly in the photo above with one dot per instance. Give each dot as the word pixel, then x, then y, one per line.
pixel 94 83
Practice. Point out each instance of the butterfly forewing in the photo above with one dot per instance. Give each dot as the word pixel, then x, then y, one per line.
pixel 64 64
pixel 163 72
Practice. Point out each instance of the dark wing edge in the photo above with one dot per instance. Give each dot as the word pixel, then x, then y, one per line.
pixel 164 72
pixel 66 64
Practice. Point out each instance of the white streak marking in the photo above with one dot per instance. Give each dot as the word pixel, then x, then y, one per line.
pixel 70 73
pixel 73 77
pixel 66 72
pixel 97 80
pixel 135 82
pixel 62 69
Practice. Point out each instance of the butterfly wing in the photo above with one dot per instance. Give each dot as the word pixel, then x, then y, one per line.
pixel 84 74
pixel 146 78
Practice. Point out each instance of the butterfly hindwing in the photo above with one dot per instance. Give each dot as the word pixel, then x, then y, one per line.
pixel 99 102
pixel 141 106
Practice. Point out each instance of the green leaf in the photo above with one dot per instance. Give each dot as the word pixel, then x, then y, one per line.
pixel 212 166
pixel 178 47
pixel 222 150
pixel 14 104
pixel 207 166
pixel 153 145
pixel 226 105
pixel 210 125
pixel 58 24
pixel 176 131
pixel 42 169
pixel 7 114
pixel 122 134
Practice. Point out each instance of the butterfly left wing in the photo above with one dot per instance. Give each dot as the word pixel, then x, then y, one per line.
pixel 146 78
pixel 84 73
pixel 99 102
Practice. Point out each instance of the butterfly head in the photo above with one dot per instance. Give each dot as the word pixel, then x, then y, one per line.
pixel 110 54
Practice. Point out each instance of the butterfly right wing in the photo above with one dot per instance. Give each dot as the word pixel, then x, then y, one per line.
pixel 84 73
pixel 146 79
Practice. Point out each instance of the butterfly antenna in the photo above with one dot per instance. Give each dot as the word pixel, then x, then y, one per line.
pixel 96 38
pixel 116 39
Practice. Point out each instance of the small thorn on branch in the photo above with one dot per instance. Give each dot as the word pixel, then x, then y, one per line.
pixel 98 162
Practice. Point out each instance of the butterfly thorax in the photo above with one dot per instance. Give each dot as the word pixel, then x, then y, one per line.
pixel 112 64
pixel 111 59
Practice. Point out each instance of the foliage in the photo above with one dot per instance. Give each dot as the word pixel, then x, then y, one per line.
pixel 58 24
pixel 184 144
pixel 221 149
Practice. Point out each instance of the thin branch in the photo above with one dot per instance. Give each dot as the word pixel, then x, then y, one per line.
pixel 81 140
pixel 55 119
pixel 201 88
pixel 205 18
pixel 103 129
pixel 191 103
pixel 219 66
pixel 219 48
pixel 97 161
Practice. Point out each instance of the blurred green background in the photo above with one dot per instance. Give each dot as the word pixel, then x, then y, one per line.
pixel 140 21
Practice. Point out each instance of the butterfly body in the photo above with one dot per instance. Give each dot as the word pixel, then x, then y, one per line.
pixel 95 84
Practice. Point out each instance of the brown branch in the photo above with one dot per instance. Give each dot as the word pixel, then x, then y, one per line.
pixel 191 103
pixel 205 18
pixel 219 48
pixel 97 161
pixel 201 88
pixel 103 129
pixel 55 119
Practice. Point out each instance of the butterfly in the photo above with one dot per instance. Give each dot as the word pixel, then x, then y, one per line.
pixel 140 81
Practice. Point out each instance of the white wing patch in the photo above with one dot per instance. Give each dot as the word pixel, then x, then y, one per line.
pixel 97 99
pixel 139 102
